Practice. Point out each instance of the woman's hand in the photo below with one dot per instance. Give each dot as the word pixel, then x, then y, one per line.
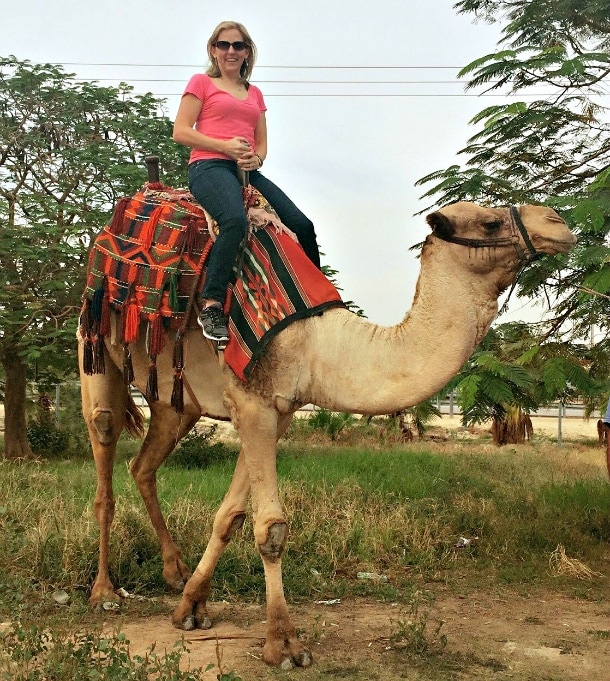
pixel 249 161
pixel 238 148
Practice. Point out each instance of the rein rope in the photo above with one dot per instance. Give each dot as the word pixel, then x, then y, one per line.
pixel 517 227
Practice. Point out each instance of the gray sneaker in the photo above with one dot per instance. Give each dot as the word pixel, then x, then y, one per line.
pixel 213 322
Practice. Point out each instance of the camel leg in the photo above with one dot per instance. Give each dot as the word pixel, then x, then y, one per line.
pixel 192 610
pixel 104 402
pixel 257 425
pixel 166 429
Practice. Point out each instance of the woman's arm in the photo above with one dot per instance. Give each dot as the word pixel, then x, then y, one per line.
pixel 185 133
pixel 260 137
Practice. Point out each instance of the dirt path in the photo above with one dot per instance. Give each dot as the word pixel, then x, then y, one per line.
pixel 504 636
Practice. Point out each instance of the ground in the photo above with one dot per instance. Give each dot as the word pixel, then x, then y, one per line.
pixel 541 636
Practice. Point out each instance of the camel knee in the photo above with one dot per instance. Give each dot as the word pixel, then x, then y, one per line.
pixel 226 525
pixel 273 546
pixel 103 423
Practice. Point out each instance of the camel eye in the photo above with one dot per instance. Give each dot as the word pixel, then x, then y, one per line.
pixel 493 225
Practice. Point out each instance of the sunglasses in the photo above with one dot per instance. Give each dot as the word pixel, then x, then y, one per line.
pixel 224 45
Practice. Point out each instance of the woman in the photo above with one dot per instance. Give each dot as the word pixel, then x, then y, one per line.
pixel 221 117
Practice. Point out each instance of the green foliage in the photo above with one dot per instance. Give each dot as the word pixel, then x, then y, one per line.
pixel 412 635
pixel 197 449
pixel 551 148
pixel 516 367
pixel 396 512
pixel 331 274
pixel 69 150
pixel 46 439
pixel 330 422
pixel 32 653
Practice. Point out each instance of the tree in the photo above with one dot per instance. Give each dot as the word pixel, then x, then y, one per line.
pixel 553 149
pixel 549 144
pixel 68 151
pixel 514 372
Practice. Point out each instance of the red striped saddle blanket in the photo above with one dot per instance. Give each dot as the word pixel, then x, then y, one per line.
pixel 149 263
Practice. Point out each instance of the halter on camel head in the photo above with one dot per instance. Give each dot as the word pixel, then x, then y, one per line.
pixel 517 228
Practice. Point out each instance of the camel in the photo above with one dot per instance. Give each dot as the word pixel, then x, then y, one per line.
pixel 336 360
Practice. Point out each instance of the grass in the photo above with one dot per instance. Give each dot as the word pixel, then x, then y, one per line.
pixel 399 511
pixel 533 514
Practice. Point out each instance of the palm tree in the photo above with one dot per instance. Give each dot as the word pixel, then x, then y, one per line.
pixel 515 372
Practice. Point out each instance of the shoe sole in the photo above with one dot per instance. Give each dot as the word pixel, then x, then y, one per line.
pixel 219 339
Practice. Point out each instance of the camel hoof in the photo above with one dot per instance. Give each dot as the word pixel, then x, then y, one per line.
pixel 205 623
pixel 176 575
pixel 102 607
pixel 304 659
pixel 189 623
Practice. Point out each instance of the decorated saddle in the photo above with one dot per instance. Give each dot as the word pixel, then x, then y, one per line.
pixel 149 264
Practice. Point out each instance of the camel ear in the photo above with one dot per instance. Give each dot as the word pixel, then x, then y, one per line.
pixel 440 224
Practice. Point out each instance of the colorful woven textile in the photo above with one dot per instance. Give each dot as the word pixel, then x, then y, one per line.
pixel 278 284
pixel 151 254
pixel 149 263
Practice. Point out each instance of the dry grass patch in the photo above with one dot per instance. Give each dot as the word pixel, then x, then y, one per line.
pixel 561 564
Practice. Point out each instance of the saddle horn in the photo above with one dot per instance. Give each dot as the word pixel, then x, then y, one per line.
pixel 152 165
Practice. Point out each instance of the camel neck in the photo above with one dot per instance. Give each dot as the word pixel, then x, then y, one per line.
pixel 386 368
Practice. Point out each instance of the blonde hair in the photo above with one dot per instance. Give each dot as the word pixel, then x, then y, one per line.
pixel 246 69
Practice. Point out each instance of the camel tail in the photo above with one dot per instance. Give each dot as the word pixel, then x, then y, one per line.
pixel 134 417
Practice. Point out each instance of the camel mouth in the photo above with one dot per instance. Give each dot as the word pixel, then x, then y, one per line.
pixel 566 244
pixel 553 245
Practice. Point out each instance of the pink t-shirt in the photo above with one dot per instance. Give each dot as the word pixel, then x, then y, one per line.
pixel 222 115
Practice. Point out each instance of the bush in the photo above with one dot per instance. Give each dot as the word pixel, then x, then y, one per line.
pixel 46 439
pixel 330 422
pixel 197 450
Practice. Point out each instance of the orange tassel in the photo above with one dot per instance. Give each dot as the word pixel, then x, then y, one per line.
pixel 192 234
pixel 116 226
pixel 148 234
pixel 105 320
pixel 131 319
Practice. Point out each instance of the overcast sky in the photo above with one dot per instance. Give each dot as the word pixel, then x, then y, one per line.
pixel 362 101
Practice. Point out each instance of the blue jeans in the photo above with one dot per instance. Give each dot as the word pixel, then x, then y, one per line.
pixel 215 185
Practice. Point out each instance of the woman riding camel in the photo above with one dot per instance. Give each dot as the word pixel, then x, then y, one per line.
pixel 221 117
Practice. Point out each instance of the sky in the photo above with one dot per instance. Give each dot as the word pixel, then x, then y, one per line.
pixel 346 141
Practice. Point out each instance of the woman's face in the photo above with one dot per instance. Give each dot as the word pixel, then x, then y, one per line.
pixel 229 60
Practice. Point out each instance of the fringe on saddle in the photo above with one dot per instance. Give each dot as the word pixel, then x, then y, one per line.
pixel 149 264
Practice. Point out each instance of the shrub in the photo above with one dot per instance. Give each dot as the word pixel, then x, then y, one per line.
pixel 197 449
pixel 332 423
pixel 46 439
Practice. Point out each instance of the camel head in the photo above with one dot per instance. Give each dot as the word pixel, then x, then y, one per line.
pixel 529 229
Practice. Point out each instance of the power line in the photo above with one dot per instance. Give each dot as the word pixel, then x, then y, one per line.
pixel 258 66
pixel 439 94
pixel 298 81
pixel 307 82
